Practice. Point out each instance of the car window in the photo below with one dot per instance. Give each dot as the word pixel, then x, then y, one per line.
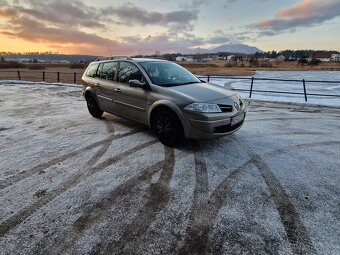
pixel 108 71
pixel 129 71
pixel 168 74
pixel 92 70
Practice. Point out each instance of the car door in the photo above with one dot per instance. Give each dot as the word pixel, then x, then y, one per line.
pixel 106 85
pixel 131 102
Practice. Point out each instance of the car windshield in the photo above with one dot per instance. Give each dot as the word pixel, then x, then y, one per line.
pixel 167 74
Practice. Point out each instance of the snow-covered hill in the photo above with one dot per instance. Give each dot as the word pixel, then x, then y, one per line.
pixel 238 48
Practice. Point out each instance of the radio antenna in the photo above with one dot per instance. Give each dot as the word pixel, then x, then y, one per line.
pixel 109 50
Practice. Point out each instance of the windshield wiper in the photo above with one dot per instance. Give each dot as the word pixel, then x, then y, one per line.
pixel 186 83
pixel 178 84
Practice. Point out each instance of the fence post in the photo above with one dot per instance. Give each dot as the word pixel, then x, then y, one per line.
pixel 304 89
pixel 43 75
pixel 251 86
pixel 74 77
pixel 19 76
pixel 58 76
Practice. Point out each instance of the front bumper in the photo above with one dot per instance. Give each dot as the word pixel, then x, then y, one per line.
pixel 213 126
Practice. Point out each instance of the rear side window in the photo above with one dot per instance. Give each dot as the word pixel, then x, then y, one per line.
pixel 108 71
pixel 92 70
pixel 129 71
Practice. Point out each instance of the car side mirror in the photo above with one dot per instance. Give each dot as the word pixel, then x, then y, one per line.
pixel 137 84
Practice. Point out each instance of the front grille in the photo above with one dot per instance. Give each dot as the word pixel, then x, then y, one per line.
pixel 225 108
pixel 227 128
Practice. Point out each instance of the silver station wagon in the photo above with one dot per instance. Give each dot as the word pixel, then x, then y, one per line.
pixel 163 95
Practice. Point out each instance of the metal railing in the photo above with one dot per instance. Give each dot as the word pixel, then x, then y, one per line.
pixel 252 80
pixel 41 76
pixel 74 77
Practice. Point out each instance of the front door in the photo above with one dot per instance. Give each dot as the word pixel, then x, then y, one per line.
pixel 131 102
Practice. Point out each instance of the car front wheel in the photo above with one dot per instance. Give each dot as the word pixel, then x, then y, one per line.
pixel 167 127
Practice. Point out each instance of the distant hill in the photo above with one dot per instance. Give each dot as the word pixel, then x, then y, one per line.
pixel 49 57
pixel 237 48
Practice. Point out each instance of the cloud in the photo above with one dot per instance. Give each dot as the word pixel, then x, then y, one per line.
pixel 305 14
pixel 68 13
pixel 175 21
pixel 73 26
pixel 162 41
pixel 7 12
pixel 62 23
pixel 35 31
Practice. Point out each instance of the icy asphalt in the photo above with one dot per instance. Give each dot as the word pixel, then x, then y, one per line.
pixel 72 184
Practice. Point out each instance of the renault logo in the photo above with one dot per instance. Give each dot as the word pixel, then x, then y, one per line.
pixel 237 106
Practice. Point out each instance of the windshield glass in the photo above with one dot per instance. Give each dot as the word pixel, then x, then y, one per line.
pixel 168 74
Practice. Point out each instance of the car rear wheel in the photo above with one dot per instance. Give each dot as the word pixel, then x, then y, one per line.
pixel 93 107
pixel 167 127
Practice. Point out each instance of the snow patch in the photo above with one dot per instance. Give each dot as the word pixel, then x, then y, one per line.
pixel 20 82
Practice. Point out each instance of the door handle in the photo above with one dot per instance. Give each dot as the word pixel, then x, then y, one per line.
pixel 117 90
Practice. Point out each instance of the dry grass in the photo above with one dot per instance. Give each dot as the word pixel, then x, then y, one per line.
pixel 216 68
pixel 65 74
pixel 207 68
pixel 223 68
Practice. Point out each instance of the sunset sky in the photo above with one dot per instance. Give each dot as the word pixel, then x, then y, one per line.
pixel 106 27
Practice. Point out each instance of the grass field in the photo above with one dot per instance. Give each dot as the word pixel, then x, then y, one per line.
pixel 65 74
pixel 226 68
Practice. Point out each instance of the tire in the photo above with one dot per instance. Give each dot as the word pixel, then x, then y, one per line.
pixel 93 107
pixel 167 127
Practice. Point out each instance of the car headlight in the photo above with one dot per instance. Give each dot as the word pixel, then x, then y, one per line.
pixel 201 107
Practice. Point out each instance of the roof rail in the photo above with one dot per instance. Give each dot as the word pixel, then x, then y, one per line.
pixel 113 57
pixel 161 58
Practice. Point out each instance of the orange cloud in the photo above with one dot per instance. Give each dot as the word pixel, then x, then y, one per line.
pixel 264 23
pixel 74 25
pixel 307 13
pixel 306 8
pixel 7 13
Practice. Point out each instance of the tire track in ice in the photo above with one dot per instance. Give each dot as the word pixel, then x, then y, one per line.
pixel 92 215
pixel 25 174
pixel 195 241
pixel 74 180
pixel 297 234
pixel 204 215
pixel 157 198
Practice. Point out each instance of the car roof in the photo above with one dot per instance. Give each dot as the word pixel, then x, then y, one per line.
pixel 137 60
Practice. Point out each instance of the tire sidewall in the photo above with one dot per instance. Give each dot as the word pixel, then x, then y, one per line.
pixel 95 111
pixel 175 121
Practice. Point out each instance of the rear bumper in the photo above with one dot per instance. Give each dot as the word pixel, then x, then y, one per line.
pixel 208 129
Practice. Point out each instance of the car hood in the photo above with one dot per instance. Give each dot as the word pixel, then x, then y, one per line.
pixel 202 92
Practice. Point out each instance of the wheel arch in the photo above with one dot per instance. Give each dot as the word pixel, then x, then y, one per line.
pixel 166 105
pixel 90 91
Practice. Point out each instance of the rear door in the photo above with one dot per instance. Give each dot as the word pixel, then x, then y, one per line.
pixel 131 102
pixel 106 85
pixel 92 79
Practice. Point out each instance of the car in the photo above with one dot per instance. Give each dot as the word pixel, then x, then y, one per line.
pixel 163 95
